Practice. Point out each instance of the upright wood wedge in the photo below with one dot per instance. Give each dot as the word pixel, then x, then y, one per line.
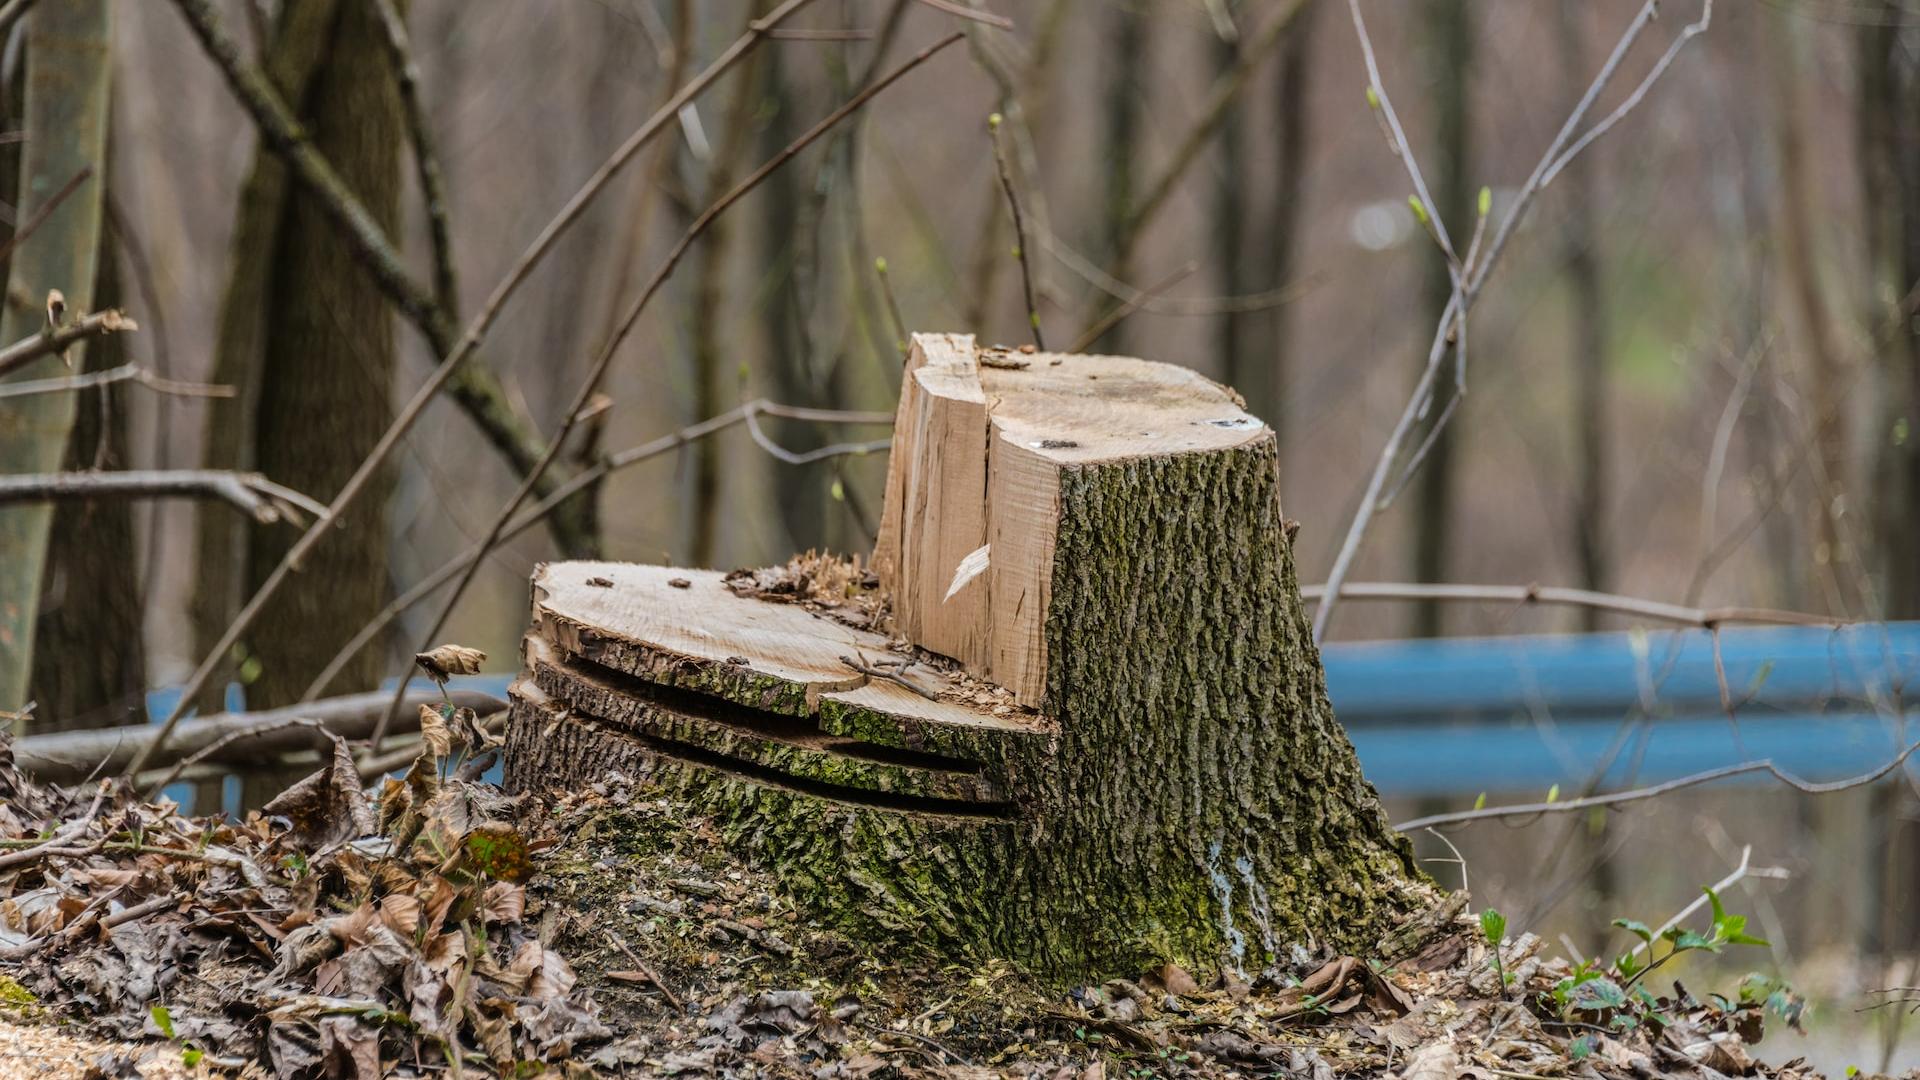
pixel 1122 752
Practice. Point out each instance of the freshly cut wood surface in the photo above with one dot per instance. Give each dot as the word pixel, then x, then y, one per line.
pixel 641 623
pixel 980 441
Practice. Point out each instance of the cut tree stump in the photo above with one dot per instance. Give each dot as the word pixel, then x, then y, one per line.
pixel 1105 741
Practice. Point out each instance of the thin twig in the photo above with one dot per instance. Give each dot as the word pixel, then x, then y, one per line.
pixel 781 453
pixel 267 501
pixel 1616 798
pixel 231 737
pixel 433 188
pixel 1467 287
pixel 45 211
pixel 451 361
pixel 985 18
pixel 1707 618
pixel 1127 307
pixel 61 837
pixel 1019 230
pixel 1687 33
pixel 591 384
pixel 124 373
pixel 426 586
pixel 27 350
pixel 1739 872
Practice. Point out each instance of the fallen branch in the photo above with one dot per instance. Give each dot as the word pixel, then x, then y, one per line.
pixel 27 350
pixel 124 373
pixel 1617 798
pixel 1706 618
pixel 64 757
pixel 267 501
pixel 61 837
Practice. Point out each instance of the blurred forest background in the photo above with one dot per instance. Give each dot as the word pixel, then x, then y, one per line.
pixel 1694 377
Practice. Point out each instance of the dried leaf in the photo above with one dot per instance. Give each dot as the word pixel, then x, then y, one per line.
pixel 433 732
pixel 445 661
pixel 1435 1061
pixel 328 807
pixel 504 902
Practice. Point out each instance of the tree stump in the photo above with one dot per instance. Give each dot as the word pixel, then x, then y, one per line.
pixel 1128 758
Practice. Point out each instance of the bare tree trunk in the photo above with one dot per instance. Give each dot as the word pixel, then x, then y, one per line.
pixel 1229 226
pixel 1263 380
pixel 292 59
pixel 713 368
pixel 89 667
pixel 68 71
pixel 1126 54
pixel 1800 257
pixel 1448 53
pixel 1587 296
pixel 327 376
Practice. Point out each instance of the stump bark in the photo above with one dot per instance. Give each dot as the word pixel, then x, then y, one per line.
pixel 1127 758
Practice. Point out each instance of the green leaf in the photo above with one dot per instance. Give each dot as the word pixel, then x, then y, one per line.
pixel 1636 928
pixel 1581 1047
pixel 1480 801
pixel 1688 939
pixel 1493 927
pixel 1599 995
pixel 1760 678
pixel 162 1019
pixel 1719 912
pixel 1748 939
pixel 1553 793
pixel 191 1056
pixel 1627 965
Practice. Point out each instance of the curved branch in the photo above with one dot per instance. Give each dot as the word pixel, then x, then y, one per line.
pixel 267 501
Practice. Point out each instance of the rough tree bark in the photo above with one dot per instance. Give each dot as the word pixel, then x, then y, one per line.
pixel 309 336
pixel 1157 776
pixel 68 74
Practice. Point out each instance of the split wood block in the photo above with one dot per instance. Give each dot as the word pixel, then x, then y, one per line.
pixel 1101 536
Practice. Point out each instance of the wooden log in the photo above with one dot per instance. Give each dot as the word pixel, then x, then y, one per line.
pixel 1129 756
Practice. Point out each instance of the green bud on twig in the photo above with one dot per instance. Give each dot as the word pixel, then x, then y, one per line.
pixel 880 265
pixel 1419 208
pixel 1486 200
pixel 1373 97
pixel 993 121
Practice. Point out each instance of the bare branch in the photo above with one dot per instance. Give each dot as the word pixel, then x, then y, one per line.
pixel 124 373
pixel 433 189
pixel 1618 798
pixel 64 757
pixel 1468 280
pixel 1687 33
pixel 451 362
pixel 988 18
pixel 1127 307
pixel 11 14
pixel 27 350
pixel 1706 618
pixel 267 501
pixel 1019 229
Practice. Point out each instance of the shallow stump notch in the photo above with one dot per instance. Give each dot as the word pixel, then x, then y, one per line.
pixel 1102 537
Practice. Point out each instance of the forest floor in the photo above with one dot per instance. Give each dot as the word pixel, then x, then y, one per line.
pixel 346 934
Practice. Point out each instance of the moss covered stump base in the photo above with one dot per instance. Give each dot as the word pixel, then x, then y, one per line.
pixel 1158 775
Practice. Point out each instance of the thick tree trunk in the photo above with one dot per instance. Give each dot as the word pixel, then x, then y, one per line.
pixel 299 44
pixel 68 74
pixel 89 667
pixel 1159 776
pixel 327 376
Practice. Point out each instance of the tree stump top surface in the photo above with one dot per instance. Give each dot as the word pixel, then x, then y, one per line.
pixel 705 624
pixel 1075 409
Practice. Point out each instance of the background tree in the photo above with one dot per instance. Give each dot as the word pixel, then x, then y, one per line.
pixel 68 71
pixel 306 336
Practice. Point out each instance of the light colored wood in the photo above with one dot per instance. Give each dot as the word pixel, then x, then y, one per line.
pixel 980 440
pixel 705 625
